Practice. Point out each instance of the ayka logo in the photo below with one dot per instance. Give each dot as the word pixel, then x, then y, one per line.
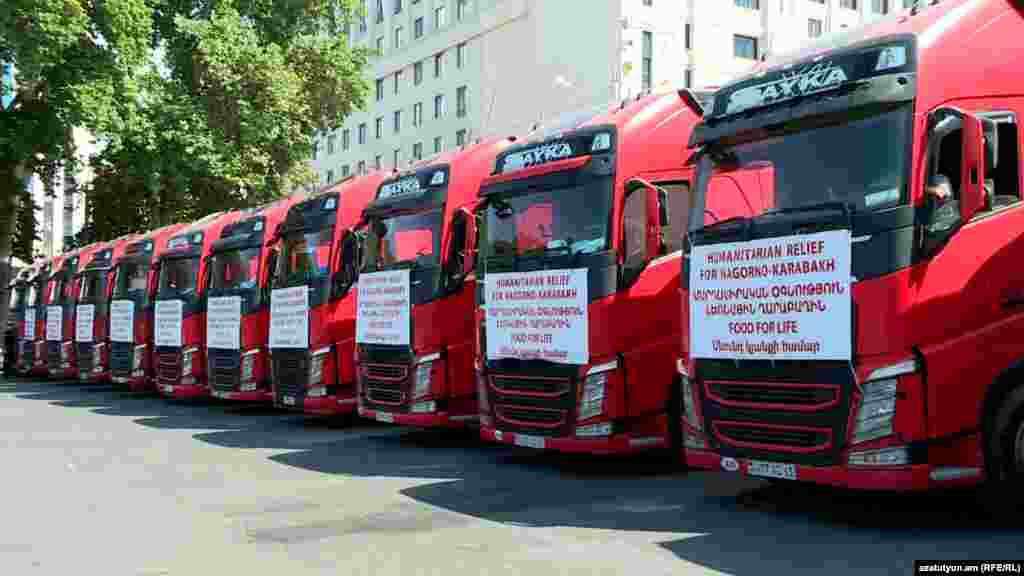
pixel 538 155
pixel 730 464
pixel 807 80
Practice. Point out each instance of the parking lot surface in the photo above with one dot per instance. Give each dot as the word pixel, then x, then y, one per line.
pixel 97 480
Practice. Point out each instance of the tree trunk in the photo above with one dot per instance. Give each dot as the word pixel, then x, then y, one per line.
pixel 11 180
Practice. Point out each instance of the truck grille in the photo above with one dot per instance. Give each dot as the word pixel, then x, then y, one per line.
pixel 121 358
pixel 531 404
pixel 291 373
pixel 168 367
pixel 781 396
pixel 779 438
pixel 225 369
pixel 386 383
pixel 85 356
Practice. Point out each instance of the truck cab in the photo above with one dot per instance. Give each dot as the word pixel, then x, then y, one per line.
pixel 64 361
pixel 49 294
pixel 312 307
pixel 580 250
pixel 18 304
pixel 94 285
pixel 238 305
pixel 131 309
pixel 414 326
pixel 179 315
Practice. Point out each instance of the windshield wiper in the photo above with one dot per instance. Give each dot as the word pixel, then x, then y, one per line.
pixel 846 208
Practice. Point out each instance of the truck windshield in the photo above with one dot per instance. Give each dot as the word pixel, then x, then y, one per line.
pixel 178 277
pixel 235 269
pixel 306 254
pixel 570 220
pixel 92 285
pixel 860 162
pixel 404 241
pixel 131 280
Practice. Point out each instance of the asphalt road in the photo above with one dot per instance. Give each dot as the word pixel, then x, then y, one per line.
pixel 98 481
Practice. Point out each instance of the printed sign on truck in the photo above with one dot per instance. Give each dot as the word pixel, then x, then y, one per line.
pixel 224 322
pixel 538 315
pixel 289 317
pixel 383 304
pixel 30 324
pixel 167 323
pixel 54 323
pixel 85 316
pixel 782 298
pixel 122 321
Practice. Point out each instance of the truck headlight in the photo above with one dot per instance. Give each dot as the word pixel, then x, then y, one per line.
pixel 594 430
pixel 422 385
pixel 877 408
pixel 65 351
pixel 592 400
pixel 249 364
pixel 186 361
pixel 137 358
pixel 97 357
pixel 316 366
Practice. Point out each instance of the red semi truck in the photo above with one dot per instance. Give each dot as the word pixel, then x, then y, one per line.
pixel 312 306
pixel 179 316
pixel 131 309
pixel 46 298
pixel 95 285
pixel 22 288
pixel 61 353
pixel 238 305
pixel 414 327
pixel 861 327
pixel 580 247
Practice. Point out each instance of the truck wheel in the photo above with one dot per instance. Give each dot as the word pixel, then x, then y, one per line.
pixel 674 413
pixel 1005 456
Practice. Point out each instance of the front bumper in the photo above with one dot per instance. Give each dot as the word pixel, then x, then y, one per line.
pixel 183 392
pixel 421 420
pixel 910 478
pixel 250 396
pixel 615 444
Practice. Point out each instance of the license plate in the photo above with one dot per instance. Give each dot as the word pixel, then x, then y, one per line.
pixel 385 417
pixel 772 470
pixel 169 389
pixel 220 394
pixel 529 441
pixel 288 400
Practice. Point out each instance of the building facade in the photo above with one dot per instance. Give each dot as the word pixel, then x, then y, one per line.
pixel 451 71
pixel 61 210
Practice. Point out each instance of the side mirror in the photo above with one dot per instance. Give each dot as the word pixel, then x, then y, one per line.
pixel 653 228
pixel 972 189
pixel 469 256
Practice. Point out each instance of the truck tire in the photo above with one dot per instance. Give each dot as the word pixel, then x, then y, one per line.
pixel 1005 456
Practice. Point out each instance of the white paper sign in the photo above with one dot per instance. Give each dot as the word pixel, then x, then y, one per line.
pixel 167 323
pixel 382 308
pixel 30 324
pixel 774 299
pixel 224 322
pixel 538 315
pixel 289 318
pixel 85 316
pixel 54 323
pixel 122 321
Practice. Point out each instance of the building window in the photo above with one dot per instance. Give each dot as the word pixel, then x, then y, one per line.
pixel 417 151
pixel 398 80
pixel 417 114
pixel 439 106
pixel 851 4
pixel 398 6
pixel 331 140
pixel 345 171
pixel 379 128
pixel 380 90
pixel 397 121
pixel 818 1
pixel 361 167
pixel 380 45
pixel 380 11
pixel 748 4
pixel 417 27
pixel 814 28
pixel 648 2
pixel 362 133
pixel 744 47
pixel 417 73
pixel 397 157
pixel 346 137
pixel 378 162
pixel 460 137
pixel 398 37
pixel 460 55
pixel 330 176
pixel 316 148
pixel 438 144
pixel 880 6
pixel 688 29
pixel 646 63
pixel 461 7
pixel 461 101
pixel 688 78
pixel 362 16
pixel 438 64
pixel 439 17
